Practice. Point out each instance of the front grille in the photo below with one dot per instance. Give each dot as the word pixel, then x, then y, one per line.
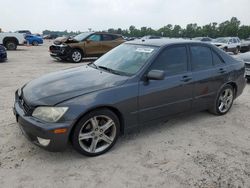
pixel 55 49
pixel 24 105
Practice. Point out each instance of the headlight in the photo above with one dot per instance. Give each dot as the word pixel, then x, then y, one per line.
pixel 19 92
pixel 49 114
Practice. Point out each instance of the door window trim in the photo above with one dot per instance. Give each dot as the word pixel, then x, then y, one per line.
pixel 169 47
pixel 190 53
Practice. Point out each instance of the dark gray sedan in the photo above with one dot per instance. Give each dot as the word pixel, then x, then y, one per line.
pixel 137 83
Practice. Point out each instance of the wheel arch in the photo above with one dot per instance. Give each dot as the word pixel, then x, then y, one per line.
pixel 80 49
pixel 234 85
pixel 111 108
pixel 6 39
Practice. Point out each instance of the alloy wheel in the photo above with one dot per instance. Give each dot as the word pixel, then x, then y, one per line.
pixel 97 134
pixel 225 100
pixel 76 56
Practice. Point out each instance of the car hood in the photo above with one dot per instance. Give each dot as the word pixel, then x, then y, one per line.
pixel 245 57
pixel 57 87
pixel 64 40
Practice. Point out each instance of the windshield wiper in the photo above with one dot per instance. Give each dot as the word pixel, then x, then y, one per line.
pixel 111 70
pixel 92 63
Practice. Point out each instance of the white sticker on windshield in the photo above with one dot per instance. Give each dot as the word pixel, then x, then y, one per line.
pixel 145 50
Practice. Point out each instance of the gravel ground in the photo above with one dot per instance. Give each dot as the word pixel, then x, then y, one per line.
pixel 199 150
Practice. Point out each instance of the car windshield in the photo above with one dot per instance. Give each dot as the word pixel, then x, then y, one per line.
pixel 82 36
pixel 221 40
pixel 126 59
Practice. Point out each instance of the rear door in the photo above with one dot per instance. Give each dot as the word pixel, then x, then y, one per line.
pixel 93 45
pixel 109 42
pixel 173 94
pixel 206 75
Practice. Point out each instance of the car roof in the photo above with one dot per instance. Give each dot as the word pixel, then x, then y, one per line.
pixel 105 33
pixel 162 42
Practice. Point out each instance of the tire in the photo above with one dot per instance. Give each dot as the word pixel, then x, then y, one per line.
pixel 35 43
pixel 223 101
pixel 11 45
pixel 236 51
pixel 96 132
pixel 76 56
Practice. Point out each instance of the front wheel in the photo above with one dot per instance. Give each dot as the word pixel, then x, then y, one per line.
pixel 76 56
pixel 35 43
pixel 224 101
pixel 11 45
pixel 96 132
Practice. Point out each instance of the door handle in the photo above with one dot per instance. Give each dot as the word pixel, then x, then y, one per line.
pixel 186 78
pixel 221 70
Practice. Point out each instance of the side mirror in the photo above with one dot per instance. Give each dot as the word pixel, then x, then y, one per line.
pixel 88 40
pixel 155 75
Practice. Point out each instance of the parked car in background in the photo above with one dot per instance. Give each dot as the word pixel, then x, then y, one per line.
pixel 89 44
pixel 245 45
pixel 34 40
pixel 24 32
pixel 228 44
pixel 203 39
pixel 246 58
pixel 3 53
pixel 50 36
pixel 11 40
pixel 150 37
pixel 137 83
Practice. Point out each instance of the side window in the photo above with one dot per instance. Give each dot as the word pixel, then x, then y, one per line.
pixel 231 41
pixel 235 41
pixel 216 59
pixel 115 37
pixel 107 37
pixel 201 57
pixel 172 60
pixel 95 37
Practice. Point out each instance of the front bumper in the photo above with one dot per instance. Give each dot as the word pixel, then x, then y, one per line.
pixel 32 128
pixel 59 53
pixel 3 56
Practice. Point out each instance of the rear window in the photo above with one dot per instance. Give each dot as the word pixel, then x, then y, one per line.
pixel 107 37
pixel 201 57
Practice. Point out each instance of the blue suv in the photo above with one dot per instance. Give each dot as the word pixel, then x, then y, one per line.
pixel 34 40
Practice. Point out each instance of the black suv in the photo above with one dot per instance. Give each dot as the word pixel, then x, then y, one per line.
pixel 3 53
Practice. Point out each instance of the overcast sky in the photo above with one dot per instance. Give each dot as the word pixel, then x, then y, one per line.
pixel 79 15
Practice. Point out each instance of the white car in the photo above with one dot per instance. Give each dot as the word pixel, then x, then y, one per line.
pixel 228 44
pixel 246 58
pixel 11 40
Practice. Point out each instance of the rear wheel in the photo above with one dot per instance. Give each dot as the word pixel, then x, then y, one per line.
pixel 11 45
pixel 76 56
pixel 96 132
pixel 236 51
pixel 224 101
pixel 35 43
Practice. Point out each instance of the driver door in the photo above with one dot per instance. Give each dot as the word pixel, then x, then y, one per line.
pixel 93 45
pixel 172 95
